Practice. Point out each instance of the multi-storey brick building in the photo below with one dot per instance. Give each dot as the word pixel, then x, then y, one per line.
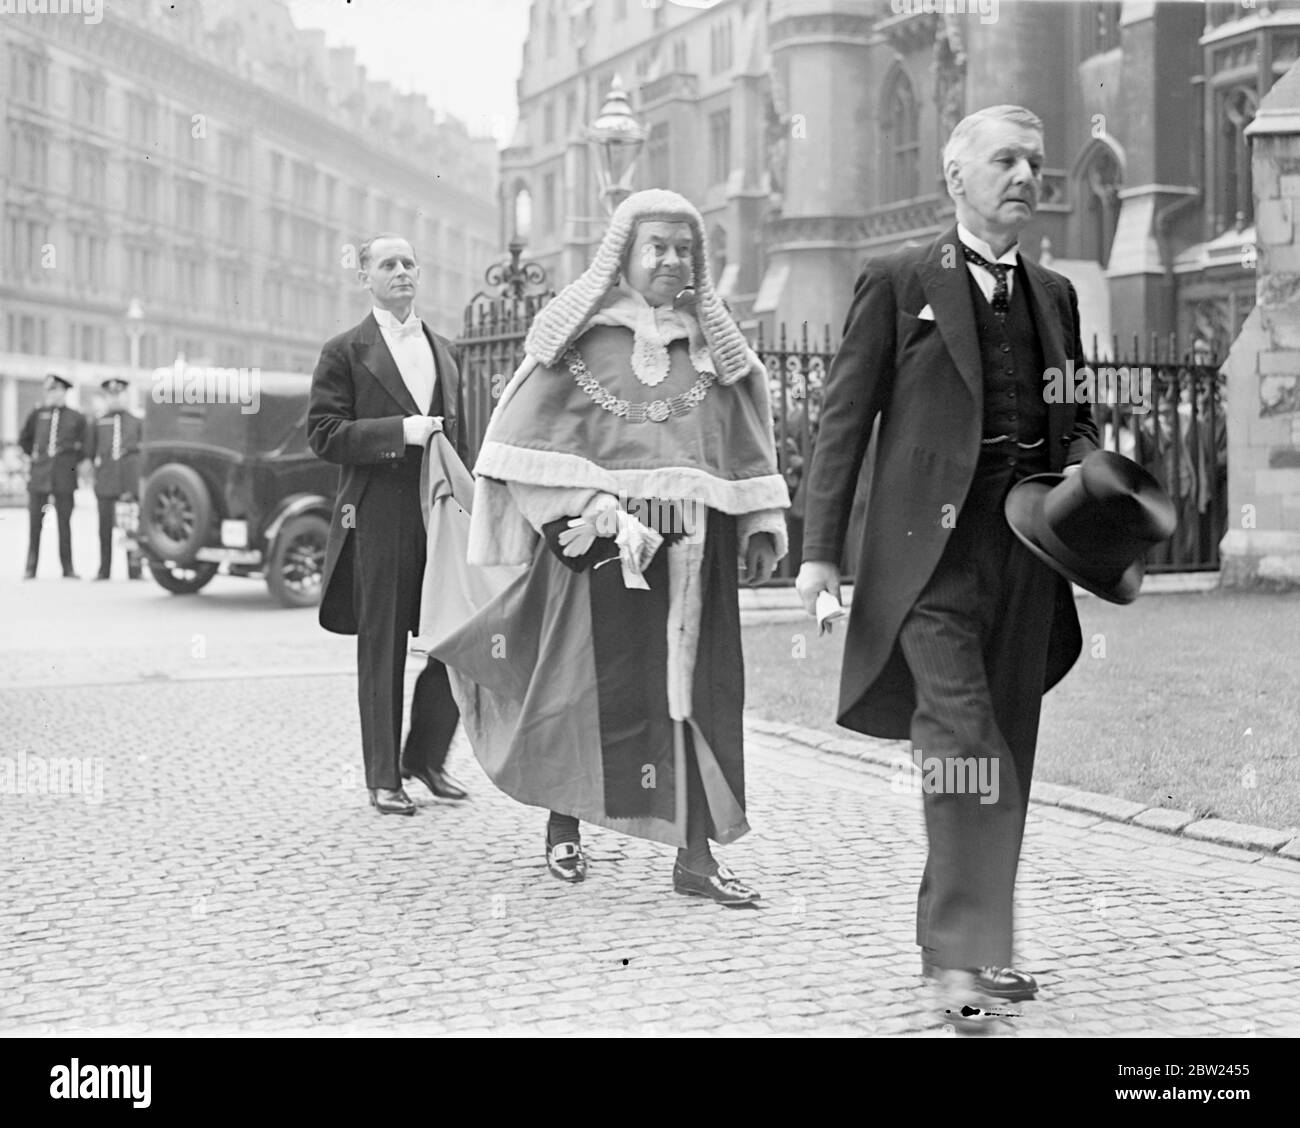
pixel 212 165
pixel 809 134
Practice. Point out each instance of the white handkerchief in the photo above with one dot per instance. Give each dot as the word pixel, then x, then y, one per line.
pixel 926 314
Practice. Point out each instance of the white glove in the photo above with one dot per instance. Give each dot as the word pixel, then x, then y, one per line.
pixel 416 429
pixel 597 520
pixel 578 537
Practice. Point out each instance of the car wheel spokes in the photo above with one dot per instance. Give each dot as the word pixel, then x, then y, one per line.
pixel 303 564
pixel 174 514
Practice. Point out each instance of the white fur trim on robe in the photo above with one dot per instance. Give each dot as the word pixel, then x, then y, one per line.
pixel 685 610
pixel 763 521
pixel 541 505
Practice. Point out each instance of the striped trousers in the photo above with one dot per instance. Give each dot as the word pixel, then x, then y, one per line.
pixel 976 643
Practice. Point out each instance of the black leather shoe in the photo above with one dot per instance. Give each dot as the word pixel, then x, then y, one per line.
pixel 996 982
pixel 437 781
pixel 722 886
pixel 391 802
pixel 566 861
pixel 30 574
pixel 101 576
pixel 71 576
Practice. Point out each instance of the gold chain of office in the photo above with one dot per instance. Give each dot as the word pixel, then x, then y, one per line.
pixel 654 411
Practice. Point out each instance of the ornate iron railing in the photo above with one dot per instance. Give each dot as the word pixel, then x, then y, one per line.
pixel 1159 406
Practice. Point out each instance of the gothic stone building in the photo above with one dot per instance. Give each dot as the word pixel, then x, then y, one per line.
pixel 809 132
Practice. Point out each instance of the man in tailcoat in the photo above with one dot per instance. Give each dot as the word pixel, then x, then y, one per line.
pixel 379 391
pixel 113 447
pixel 54 437
pixel 956 630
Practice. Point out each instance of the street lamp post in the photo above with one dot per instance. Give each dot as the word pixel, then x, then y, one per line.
pixel 134 331
pixel 618 138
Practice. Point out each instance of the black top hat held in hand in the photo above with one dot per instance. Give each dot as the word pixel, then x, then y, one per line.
pixel 1095 526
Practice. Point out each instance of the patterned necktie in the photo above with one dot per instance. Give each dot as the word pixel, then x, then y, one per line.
pixel 52 446
pixel 117 437
pixel 1001 302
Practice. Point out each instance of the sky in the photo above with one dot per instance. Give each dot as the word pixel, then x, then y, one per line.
pixel 463 55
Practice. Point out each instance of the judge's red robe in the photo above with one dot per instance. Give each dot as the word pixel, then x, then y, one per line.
pixel 562 675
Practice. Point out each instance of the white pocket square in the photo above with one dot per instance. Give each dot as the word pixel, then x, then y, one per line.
pixel 926 314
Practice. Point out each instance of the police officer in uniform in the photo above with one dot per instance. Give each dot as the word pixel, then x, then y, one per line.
pixel 54 438
pixel 113 447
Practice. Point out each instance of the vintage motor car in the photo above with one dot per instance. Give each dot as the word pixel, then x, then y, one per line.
pixel 226 487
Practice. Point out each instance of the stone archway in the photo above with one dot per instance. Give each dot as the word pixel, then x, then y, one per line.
pixel 1097 176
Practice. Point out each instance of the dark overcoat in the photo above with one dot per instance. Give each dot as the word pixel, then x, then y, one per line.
pixel 922 379
pixel 121 475
pixel 53 473
pixel 358 402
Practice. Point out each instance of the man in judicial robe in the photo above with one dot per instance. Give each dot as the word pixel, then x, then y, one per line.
pixel 631 466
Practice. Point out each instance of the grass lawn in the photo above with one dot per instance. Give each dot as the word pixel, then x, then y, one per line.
pixel 1188 701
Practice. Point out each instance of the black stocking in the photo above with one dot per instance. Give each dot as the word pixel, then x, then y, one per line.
pixel 696 855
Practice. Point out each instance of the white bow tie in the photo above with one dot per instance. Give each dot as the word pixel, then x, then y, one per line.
pixel 411 327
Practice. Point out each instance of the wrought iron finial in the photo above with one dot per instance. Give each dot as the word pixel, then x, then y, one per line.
pixel 513 278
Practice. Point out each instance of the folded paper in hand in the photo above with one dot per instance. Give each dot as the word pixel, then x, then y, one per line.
pixel 829 610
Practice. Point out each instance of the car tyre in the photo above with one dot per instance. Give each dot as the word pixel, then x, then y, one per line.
pixel 176 512
pixel 297 565
pixel 181 580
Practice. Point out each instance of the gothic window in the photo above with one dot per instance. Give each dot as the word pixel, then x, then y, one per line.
pixel 657 162
pixel 719 146
pixel 1222 11
pixel 718 251
pixel 720 47
pixel 900 140
pixel 549 203
pixel 1099 180
pixel 1236 111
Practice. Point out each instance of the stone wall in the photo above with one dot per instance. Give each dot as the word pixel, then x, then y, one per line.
pixel 1262 544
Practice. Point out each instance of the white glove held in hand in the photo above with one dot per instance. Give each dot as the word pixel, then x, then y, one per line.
pixel 578 537
pixel 597 520
pixel 416 429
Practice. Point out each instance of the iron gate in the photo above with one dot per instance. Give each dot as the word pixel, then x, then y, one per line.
pixel 1174 426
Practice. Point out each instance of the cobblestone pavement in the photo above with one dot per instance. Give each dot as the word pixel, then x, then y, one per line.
pixel 230 875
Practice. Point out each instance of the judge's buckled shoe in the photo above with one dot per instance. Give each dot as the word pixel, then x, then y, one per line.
pixel 566 861
pixel 722 886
